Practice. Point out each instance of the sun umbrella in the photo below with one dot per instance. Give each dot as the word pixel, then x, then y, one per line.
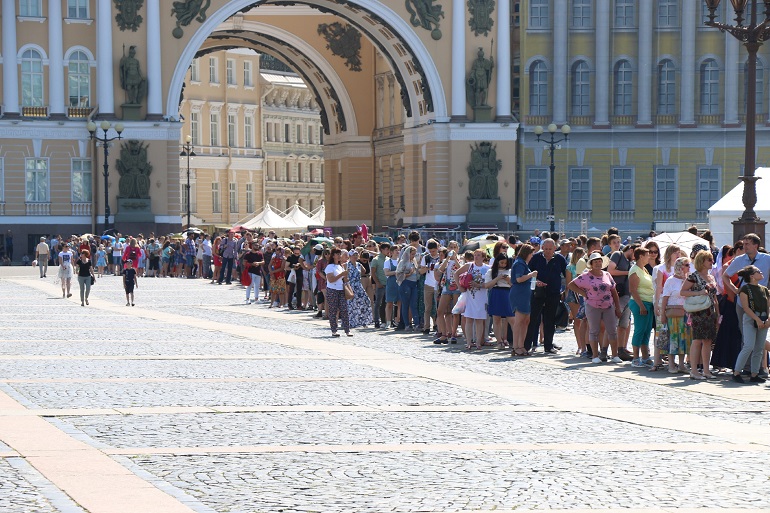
pixel 325 241
pixel 194 230
pixel 684 240
pixel 108 237
pixel 471 246
pixel 239 228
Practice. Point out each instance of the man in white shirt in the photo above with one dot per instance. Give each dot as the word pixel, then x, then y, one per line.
pixel 117 255
pixel 752 256
pixel 428 262
pixel 206 244
pixel 42 252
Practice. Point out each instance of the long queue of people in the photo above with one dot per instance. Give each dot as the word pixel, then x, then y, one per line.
pixel 706 311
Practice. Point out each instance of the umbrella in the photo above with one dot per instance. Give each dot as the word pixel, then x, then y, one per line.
pixel 684 240
pixel 471 246
pixel 87 236
pixel 239 228
pixel 326 241
pixel 108 237
pixel 194 230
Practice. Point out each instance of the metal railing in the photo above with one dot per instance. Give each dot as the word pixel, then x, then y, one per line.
pixel 665 119
pixel 623 120
pixel 536 120
pixel 581 120
pixel 78 112
pixel 708 119
pixel 34 112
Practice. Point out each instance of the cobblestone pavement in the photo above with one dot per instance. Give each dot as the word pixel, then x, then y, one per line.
pixel 195 401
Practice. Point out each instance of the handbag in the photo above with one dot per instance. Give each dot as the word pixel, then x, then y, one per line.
pixel 539 293
pixel 349 294
pixel 292 277
pixel 694 304
pixel 93 279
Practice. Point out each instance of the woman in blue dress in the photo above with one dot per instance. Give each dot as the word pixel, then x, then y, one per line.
pixel 101 259
pixel 359 308
pixel 521 297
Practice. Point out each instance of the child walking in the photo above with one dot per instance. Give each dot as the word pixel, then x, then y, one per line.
pixel 129 282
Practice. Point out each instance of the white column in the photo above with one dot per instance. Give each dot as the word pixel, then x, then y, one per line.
pixel 602 85
pixel 732 65
pixel 105 93
pixel 687 91
pixel 560 89
pixel 56 60
pixel 503 68
pixel 644 91
pixel 154 71
pixel 458 59
pixel 10 64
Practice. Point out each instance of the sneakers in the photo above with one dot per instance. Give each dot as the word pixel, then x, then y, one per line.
pixel 596 360
pixel 757 379
pixel 738 378
pixel 637 362
pixel 616 359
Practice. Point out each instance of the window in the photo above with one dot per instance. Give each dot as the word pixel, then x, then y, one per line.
pixel 300 175
pixel 624 87
pixel 214 129
pixel 625 11
pixel 81 181
pixel 285 172
pixel 213 70
pixel 216 201
pixel 581 14
pixel 32 8
pixel 195 71
pixel 666 87
pixel 516 15
pixel 622 193
pixel 31 79
pixel 79 80
pixel 538 89
pixel 230 72
pixel 709 87
pixel 310 134
pixel 286 132
pixel 195 129
pixel 248 78
pixel 668 13
pixel 537 188
pixel 299 133
pixel 250 198
pixel 77 9
pixel 539 16
pixel 36 180
pixel 665 188
pixel 580 189
pixel 248 131
pixel 233 198
pixel 232 135
pixel 760 94
pixel 709 189
pixel 581 93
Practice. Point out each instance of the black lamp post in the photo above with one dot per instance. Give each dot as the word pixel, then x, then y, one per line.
pixel 752 34
pixel 104 140
pixel 187 151
pixel 552 144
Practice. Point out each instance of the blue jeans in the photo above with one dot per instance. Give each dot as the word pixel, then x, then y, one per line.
pixel 226 271
pixel 407 293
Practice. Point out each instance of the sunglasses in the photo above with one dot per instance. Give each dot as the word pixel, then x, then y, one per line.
pixel 654 252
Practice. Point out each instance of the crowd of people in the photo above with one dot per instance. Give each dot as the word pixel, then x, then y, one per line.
pixel 698 312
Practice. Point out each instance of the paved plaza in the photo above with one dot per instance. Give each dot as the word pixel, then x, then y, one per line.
pixel 193 401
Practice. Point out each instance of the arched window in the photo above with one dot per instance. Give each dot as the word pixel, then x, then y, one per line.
pixel 538 89
pixel 581 89
pixel 31 79
pixel 79 79
pixel 709 87
pixel 623 88
pixel 760 102
pixel 666 87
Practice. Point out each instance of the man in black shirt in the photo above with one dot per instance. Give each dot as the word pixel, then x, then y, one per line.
pixel 295 261
pixel 253 261
pixel 550 268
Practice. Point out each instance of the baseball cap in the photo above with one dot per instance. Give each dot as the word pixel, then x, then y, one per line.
pixel 563 242
pixel 318 247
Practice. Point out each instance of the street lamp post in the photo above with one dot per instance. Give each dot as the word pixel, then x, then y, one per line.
pixel 187 151
pixel 752 35
pixel 552 144
pixel 104 140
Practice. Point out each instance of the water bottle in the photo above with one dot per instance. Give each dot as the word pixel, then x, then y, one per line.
pixel 533 283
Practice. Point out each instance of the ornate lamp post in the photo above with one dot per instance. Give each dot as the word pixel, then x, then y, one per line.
pixel 187 151
pixel 104 140
pixel 552 144
pixel 752 35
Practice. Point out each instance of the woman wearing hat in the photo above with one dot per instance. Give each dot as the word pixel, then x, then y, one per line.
pixel 602 304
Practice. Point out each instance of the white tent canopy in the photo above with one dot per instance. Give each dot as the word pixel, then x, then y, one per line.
pixel 730 207
pixel 269 219
pixel 296 216
pixel 319 218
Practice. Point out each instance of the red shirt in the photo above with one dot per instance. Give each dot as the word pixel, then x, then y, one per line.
pixel 133 253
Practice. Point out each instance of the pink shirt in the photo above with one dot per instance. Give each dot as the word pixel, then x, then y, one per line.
pixel 598 288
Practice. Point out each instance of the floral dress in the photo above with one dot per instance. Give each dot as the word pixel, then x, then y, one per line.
pixel 704 323
pixel 359 308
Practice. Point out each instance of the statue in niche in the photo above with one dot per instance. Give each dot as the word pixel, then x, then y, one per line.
pixel 186 11
pixel 131 79
pixel 482 171
pixel 128 17
pixel 134 170
pixel 481 16
pixel 343 41
pixel 479 79
pixel 426 15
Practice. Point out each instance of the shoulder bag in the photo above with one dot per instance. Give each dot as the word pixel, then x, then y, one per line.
pixel 694 304
pixel 349 294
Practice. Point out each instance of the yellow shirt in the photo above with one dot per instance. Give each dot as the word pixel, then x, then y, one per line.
pixel 645 283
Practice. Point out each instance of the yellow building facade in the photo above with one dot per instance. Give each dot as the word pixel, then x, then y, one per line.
pixel 655 100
